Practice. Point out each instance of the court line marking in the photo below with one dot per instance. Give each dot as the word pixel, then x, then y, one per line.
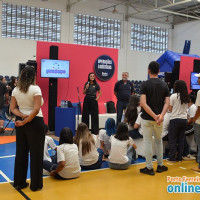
pixel 2 174
pixel 197 172
pixel 7 156
pixel 182 168
pixel 169 163
pixel 46 176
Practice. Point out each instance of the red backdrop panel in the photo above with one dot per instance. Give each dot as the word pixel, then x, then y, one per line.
pixel 186 67
pixel 82 59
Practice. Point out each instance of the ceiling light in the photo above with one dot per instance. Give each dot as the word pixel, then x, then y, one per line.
pixel 114 10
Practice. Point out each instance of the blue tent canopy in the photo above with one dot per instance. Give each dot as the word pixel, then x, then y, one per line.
pixel 166 61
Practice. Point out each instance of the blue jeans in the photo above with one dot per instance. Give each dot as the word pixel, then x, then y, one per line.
pixel 120 107
pixel 50 166
pixel 197 139
pixel 2 113
pixel 151 128
pixel 130 153
pixel 96 165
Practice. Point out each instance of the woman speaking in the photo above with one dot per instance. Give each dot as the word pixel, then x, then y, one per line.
pixel 26 101
pixel 90 104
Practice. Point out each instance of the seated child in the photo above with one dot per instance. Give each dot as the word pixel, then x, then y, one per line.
pixel 122 148
pixel 89 156
pixel 67 165
pixel 49 143
pixel 104 135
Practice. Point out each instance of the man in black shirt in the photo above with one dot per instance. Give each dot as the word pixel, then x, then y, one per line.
pixel 154 101
pixel 3 93
pixel 123 90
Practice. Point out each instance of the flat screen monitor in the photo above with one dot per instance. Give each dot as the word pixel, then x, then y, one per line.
pixel 54 68
pixel 194 81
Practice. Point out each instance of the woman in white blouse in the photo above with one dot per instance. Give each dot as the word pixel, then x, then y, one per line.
pixel 26 101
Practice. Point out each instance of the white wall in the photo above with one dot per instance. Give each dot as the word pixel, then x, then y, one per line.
pixel 15 51
pixel 186 31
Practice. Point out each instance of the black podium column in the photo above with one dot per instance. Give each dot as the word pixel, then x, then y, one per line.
pixel 53 54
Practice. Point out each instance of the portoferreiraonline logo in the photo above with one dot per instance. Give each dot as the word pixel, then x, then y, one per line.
pixel 183 184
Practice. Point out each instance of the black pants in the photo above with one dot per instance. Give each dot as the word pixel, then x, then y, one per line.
pixel 120 107
pixel 30 137
pixel 90 106
pixel 176 138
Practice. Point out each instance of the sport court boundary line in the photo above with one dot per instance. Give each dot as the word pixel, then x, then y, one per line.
pixel 7 156
pixel 21 192
pixel 11 183
pixel 47 176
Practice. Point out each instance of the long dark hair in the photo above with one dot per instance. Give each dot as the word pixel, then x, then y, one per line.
pixel 84 136
pixel 122 132
pixel 26 78
pixel 94 78
pixel 12 82
pixel 66 136
pixel 180 88
pixel 131 111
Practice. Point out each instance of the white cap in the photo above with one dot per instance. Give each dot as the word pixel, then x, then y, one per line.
pixel 197 75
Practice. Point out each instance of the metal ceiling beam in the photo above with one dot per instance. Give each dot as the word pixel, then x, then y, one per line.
pixel 162 7
pixel 176 13
pixel 69 4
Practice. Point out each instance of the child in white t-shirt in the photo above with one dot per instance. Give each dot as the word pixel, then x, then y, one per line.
pixel 191 111
pixel 89 156
pixel 122 148
pixel 48 143
pixel 104 136
pixel 178 120
pixel 67 166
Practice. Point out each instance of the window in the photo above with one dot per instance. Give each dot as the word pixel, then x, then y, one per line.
pixel 30 23
pixel 149 38
pixel 97 31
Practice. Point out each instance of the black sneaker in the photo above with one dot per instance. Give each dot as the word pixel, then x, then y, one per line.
pixel 147 171
pixel 161 169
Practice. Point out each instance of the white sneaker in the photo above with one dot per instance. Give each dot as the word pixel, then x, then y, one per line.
pixel 189 157
pixel 46 173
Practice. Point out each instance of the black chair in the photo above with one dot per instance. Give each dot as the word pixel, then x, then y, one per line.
pixel 110 106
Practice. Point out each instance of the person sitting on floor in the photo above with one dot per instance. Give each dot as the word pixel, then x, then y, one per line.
pixel 67 165
pixel 89 156
pixel 122 148
pixel 49 143
pixel 104 136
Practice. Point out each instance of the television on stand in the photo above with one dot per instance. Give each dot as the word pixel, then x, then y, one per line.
pixel 194 81
pixel 54 68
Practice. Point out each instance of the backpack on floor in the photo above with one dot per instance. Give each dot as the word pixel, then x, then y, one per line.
pixel 110 105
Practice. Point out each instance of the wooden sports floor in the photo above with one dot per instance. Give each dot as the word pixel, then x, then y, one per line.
pixel 101 184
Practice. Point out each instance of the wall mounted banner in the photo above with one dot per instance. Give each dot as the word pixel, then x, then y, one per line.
pixel 104 67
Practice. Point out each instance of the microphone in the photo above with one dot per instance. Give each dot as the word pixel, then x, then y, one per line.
pixel 78 89
pixel 88 83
